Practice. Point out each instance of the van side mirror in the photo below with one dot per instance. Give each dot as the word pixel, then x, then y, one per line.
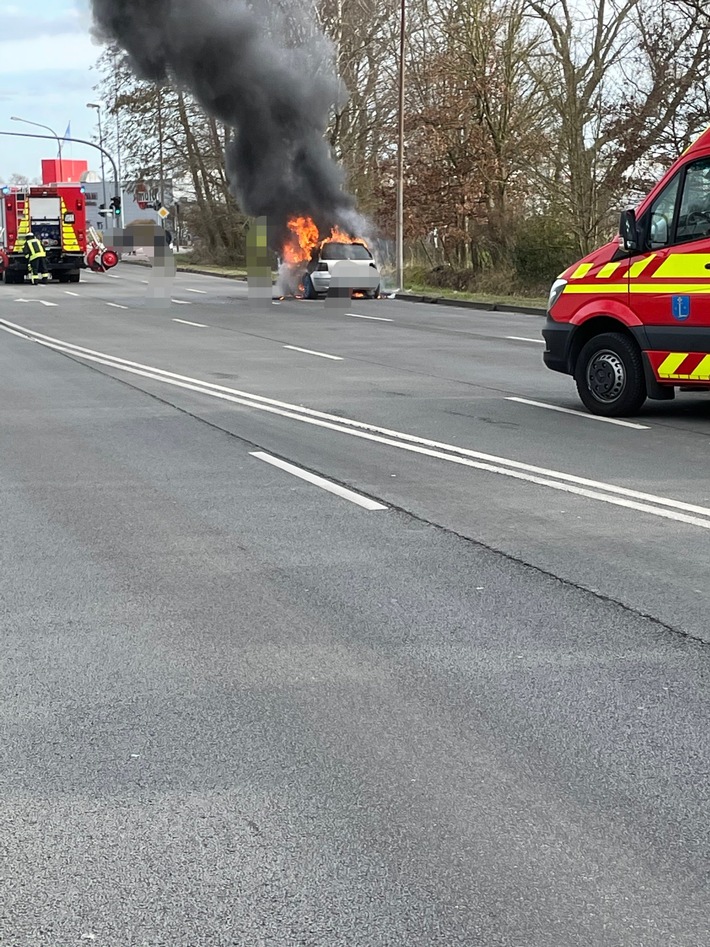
pixel 629 231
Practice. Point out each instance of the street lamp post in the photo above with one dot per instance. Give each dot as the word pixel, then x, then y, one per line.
pixel 97 106
pixel 14 118
pixel 399 237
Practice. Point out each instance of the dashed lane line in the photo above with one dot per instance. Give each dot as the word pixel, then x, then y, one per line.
pixel 199 325
pixel 202 292
pixel 521 338
pixel 321 482
pixel 356 315
pixel 579 414
pixel 181 302
pixel 295 348
pixel 116 306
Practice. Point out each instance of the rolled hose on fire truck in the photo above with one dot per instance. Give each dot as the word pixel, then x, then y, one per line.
pixel 98 257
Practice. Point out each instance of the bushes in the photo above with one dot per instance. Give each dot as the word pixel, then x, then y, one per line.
pixel 541 251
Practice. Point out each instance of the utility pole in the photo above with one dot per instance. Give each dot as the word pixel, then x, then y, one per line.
pixel 161 154
pixel 399 241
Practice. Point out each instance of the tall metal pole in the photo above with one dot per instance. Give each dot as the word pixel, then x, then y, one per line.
pixel 400 154
pixel 160 146
pixel 26 121
pixel 101 144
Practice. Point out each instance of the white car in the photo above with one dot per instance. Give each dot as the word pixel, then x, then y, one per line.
pixel 348 265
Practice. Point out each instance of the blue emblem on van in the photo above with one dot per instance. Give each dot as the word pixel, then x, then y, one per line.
pixel 681 307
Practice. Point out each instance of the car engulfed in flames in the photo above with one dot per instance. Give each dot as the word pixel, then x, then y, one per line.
pixel 313 265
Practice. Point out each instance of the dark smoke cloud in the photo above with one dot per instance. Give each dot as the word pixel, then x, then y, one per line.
pixel 275 97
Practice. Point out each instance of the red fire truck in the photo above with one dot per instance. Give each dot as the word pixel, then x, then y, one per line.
pixel 631 320
pixel 56 214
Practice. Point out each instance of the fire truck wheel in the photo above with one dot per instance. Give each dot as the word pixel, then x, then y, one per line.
pixel 609 375
pixel 74 277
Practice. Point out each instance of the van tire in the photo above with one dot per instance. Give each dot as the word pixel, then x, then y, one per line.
pixel 609 375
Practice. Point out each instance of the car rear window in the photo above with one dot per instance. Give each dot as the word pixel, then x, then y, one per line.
pixel 345 251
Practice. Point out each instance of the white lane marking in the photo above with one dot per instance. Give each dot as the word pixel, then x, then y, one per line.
pixel 42 302
pixel 70 293
pixel 145 282
pixel 356 315
pixel 112 276
pixel 200 325
pixel 181 302
pixel 580 414
pixel 117 306
pixel 570 483
pixel 202 292
pixel 521 338
pixel 295 348
pixel 328 485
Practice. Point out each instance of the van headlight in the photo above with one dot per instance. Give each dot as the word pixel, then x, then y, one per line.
pixel 555 292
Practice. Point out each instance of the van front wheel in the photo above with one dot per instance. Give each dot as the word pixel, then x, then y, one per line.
pixel 609 375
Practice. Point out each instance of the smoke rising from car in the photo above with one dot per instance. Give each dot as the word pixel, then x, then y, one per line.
pixel 237 61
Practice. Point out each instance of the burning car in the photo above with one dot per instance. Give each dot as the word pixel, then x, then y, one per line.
pixel 362 277
pixel 314 263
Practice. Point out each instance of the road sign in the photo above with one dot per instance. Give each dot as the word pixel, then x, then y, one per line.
pixel 163 213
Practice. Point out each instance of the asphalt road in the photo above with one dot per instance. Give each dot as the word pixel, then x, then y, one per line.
pixel 466 704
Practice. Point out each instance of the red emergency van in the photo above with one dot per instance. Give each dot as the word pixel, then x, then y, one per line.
pixel 632 320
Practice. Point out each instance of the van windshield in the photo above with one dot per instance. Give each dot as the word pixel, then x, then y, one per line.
pixel 345 251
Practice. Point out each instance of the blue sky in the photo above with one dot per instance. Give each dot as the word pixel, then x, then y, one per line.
pixel 47 76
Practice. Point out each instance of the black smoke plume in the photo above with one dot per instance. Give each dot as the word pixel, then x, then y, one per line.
pixel 275 95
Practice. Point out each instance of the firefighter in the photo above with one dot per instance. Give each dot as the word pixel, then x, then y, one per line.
pixel 36 259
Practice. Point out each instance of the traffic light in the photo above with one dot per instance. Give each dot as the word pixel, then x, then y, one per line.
pixel 116 206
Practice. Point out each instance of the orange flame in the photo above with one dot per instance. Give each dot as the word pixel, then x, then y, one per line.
pixel 306 238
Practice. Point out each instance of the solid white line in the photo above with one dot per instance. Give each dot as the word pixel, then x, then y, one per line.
pixel 520 338
pixel 117 306
pixel 202 292
pixel 200 325
pixel 328 485
pixel 181 302
pixel 580 414
pixel 295 348
pixel 571 483
pixel 373 318
pixel 70 293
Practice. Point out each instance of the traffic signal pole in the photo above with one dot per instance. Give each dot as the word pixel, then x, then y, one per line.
pixel 80 141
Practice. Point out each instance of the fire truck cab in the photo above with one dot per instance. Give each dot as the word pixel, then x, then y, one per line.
pixel 631 320
pixel 56 214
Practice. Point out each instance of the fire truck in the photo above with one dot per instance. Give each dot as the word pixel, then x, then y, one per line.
pixel 631 320
pixel 56 215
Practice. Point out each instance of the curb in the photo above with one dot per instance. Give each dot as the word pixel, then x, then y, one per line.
pixel 405 297
pixel 471 304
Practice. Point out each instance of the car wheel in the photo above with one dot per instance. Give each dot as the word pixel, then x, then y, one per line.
pixel 309 291
pixel 609 375
pixel 74 277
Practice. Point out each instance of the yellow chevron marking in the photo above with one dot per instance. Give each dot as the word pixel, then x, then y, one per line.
pixel 702 370
pixel 608 270
pixel 684 266
pixel 582 270
pixel 69 241
pixel 595 289
pixel 637 268
pixel 671 363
